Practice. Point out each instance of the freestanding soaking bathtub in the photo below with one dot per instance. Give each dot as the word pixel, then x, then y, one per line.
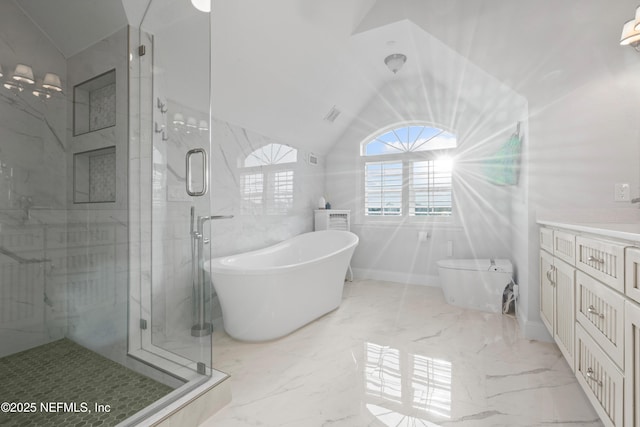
pixel 269 293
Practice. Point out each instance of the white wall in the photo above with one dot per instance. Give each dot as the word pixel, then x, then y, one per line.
pixel 581 144
pixel 481 225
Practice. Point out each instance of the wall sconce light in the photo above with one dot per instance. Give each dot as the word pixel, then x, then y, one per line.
pixel 192 123
pixel 631 32
pixel 52 82
pixel 178 119
pixel 395 61
pixel 23 75
pixel 189 125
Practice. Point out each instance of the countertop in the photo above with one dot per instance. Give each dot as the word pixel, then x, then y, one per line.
pixel 624 231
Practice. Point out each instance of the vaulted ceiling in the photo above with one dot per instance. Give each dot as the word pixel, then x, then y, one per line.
pixel 279 66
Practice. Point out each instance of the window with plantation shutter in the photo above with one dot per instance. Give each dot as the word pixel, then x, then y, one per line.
pixel 267 179
pixel 408 172
pixel 383 188
pixel 430 188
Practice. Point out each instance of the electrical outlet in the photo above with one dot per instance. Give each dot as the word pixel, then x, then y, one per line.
pixel 423 236
pixel 622 192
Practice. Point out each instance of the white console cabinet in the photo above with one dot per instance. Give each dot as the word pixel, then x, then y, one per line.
pixel 590 302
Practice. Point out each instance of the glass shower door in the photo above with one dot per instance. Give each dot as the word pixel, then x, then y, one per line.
pixel 171 325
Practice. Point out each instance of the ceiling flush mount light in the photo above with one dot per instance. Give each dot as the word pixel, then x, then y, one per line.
pixel 630 36
pixel 202 5
pixel 631 32
pixel 395 61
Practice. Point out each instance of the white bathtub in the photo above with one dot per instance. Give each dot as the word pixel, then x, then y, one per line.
pixel 271 292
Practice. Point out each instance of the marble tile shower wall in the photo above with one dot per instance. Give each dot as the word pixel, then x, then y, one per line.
pixel 231 144
pixel 98 235
pixel 258 227
pixel 63 266
pixel 33 216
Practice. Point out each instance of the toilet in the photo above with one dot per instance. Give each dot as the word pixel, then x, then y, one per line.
pixel 475 283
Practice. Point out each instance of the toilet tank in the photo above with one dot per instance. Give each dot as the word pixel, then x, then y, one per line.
pixel 475 283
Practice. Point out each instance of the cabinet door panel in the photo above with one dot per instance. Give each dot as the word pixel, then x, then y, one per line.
pixel 632 274
pixel 565 318
pixel 547 299
pixel 632 365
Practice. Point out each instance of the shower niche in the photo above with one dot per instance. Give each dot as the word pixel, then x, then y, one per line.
pixel 94 104
pixel 94 176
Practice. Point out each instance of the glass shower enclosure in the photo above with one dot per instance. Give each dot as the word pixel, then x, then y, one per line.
pixel 104 136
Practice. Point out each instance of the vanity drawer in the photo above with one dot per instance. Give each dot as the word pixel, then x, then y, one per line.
pixel 564 246
pixel 632 273
pixel 600 311
pixel 602 260
pixel 546 239
pixel 600 379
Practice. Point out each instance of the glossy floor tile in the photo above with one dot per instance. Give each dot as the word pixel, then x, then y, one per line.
pixel 398 355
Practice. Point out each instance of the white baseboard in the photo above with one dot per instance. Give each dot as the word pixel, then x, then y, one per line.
pixel 533 330
pixel 398 277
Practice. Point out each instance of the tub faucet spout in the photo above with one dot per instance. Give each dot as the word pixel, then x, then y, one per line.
pixel 203 219
pixel 636 200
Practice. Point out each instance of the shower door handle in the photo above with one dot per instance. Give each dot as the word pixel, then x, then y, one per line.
pixel 205 172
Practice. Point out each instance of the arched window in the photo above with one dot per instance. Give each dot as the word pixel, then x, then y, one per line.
pixel 266 181
pixel 408 172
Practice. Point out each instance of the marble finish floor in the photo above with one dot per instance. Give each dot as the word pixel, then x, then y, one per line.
pixel 398 355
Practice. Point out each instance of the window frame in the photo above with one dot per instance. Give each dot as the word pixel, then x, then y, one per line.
pixel 407 159
pixel 268 168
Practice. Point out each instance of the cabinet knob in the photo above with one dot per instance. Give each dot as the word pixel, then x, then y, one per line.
pixel 591 258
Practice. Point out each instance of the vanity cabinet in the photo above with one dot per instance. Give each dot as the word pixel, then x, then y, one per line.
pixel 595 318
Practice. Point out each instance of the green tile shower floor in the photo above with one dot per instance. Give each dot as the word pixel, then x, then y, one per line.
pixel 64 384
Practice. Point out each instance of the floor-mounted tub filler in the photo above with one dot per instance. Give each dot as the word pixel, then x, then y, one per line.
pixel 271 292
